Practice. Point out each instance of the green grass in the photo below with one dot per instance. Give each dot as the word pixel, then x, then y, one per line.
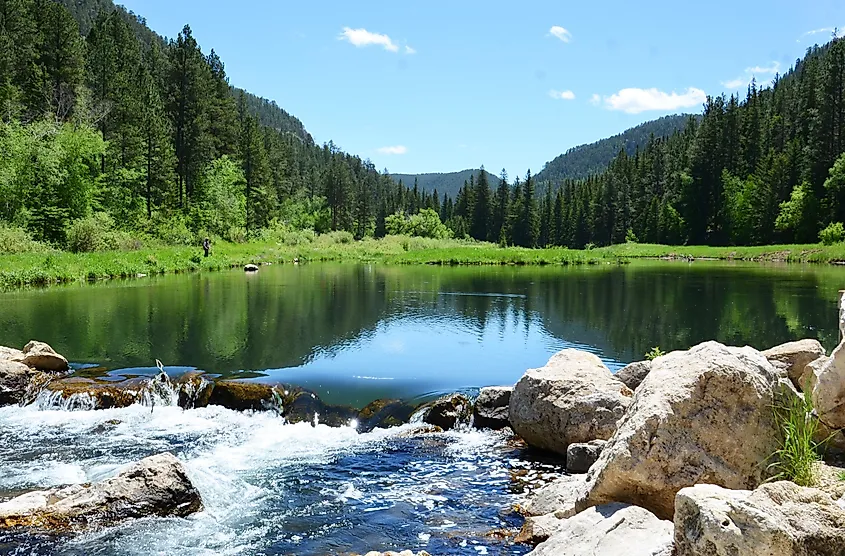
pixel 53 267
pixel 798 452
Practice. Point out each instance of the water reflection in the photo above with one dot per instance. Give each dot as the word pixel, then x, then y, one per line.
pixel 359 332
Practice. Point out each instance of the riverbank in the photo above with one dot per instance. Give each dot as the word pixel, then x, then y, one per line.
pixel 56 267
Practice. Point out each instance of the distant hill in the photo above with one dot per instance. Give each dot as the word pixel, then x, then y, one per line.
pixel 267 111
pixel 585 160
pixel 444 183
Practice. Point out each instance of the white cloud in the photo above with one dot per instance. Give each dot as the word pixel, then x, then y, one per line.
pixel 561 33
pixel 735 83
pixel 826 30
pixel 772 68
pixel 362 37
pixel 595 100
pixel 409 50
pixel 562 95
pixel 396 149
pixel 634 101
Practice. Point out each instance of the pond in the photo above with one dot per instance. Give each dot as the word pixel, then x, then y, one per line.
pixel 352 334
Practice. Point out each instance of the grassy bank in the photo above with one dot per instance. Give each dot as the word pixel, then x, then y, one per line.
pixel 52 267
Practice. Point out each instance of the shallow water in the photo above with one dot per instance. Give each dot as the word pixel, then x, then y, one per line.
pixel 354 334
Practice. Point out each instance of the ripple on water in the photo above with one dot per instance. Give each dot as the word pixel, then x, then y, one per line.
pixel 268 487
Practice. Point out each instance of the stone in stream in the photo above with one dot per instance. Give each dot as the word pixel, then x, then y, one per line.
pixel 700 416
pixel 251 268
pixel 609 530
pixel 633 375
pixel 776 519
pixel 42 357
pixel 155 486
pixel 573 399
pixel 85 393
pixel 580 457
pixel 383 414
pixel 492 407
pixel 449 411
pixel 243 396
pixel 14 381
pixel 793 358
pixel 18 370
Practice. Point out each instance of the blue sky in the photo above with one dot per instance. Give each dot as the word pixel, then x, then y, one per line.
pixel 441 86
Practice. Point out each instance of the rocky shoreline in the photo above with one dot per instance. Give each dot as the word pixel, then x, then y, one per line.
pixel 667 457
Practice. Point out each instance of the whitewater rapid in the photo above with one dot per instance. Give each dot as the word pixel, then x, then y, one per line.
pixel 268 487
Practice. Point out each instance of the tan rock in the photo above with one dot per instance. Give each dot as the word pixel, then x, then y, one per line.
pixel 634 374
pixel 810 377
pixel 537 529
pixel 573 399
pixel 701 416
pixel 154 486
pixel 42 357
pixel 610 530
pixel 14 381
pixel 777 519
pixel 793 357
pixel 558 497
pixel 829 391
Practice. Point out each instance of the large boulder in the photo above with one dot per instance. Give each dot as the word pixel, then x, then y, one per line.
pixel 829 391
pixel 154 486
pixel 580 457
pixel 538 529
pixel 574 398
pixel 42 357
pixel 633 375
pixel 793 357
pixel 559 497
pixel 701 416
pixel 77 393
pixel 449 411
pixel 11 354
pixel 383 413
pixel 491 408
pixel 610 530
pixel 242 396
pixel 777 519
pixel 14 381
pixel 810 377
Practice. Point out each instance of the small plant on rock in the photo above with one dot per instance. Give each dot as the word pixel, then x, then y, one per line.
pixel 798 452
pixel 655 353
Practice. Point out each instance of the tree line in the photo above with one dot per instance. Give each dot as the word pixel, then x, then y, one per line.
pixel 763 169
pixel 150 133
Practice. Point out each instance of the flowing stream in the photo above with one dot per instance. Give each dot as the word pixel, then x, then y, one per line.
pixel 353 334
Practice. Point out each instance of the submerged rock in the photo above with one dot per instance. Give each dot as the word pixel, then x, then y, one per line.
pixel 383 414
pixel 573 399
pixel 610 530
pixel 14 381
pixel 304 406
pixel 492 407
pixel 154 486
pixel 580 457
pixel 242 396
pixel 793 358
pixel 777 519
pixel 193 390
pixel 701 416
pixel 84 393
pixel 449 411
pixel 633 375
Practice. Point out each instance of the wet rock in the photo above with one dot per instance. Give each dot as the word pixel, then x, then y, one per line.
pixel 383 414
pixel 154 486
pixel 42 357
pixel 777 519
pixel 610 530
pixel 580 457
pixel 793 357
pixel 701 416
pixel 304 406
pixel 84 393
pixel 559 497
pixel 538 529
pixel 633 375
pixel 243 396
pixel 829 391
pixel 403 553
pixel 419 431
pixel 14 381
pixel 492 407
pixel 450 411
pixel 573 399
pixel 193 390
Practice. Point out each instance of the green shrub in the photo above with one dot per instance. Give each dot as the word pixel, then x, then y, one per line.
pixel 834 233
pixel 798 452
pixel 426 223
pixel 655 353
pixel 17 240
pixel 92 233
pixel 630 236
pixel 341 237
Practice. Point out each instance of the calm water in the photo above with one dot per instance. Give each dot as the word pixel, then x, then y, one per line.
pixel 354 334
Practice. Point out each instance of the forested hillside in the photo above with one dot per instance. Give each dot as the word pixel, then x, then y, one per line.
pixel 761 169
pixel 587 160
pixel 113 130
pixel 445 184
